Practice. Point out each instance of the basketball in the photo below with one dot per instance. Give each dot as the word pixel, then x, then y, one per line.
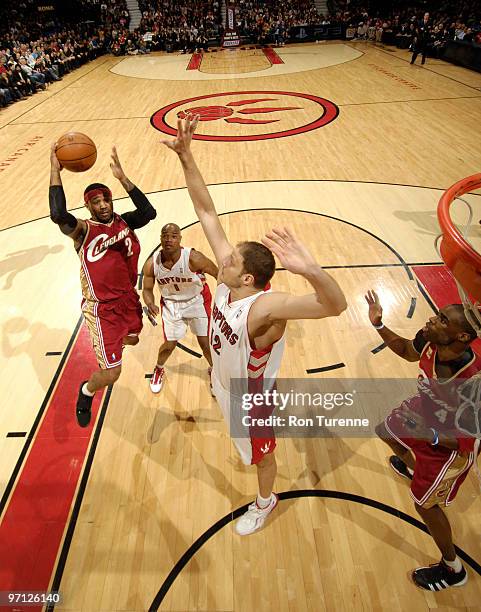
pixel 76 152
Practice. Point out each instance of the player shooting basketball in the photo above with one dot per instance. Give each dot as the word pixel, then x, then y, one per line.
pixel 248 323
pixel 108 249
pixel 429 450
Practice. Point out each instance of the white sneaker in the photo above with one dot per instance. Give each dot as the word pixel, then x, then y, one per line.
pixel 157 379
pixel 255 517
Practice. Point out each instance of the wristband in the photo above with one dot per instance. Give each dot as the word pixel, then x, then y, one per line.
pixel 435 441
pixel 378 326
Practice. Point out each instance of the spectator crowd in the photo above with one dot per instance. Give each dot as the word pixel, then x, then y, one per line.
pixel 180 24
pixel 271 20
pixel 38 47
pixel 187 25
pixel 400 24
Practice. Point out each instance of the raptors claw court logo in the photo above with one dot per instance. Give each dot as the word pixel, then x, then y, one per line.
pixel 211 113
pixel 240 116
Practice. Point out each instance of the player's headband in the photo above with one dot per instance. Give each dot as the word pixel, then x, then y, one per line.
pixel 98 191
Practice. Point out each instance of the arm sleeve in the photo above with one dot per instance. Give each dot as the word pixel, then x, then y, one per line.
pixel 58 210
pixel 143 213
pixel 419 342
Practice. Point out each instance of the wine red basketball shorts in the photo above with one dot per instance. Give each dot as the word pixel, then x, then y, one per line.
pixel 109 322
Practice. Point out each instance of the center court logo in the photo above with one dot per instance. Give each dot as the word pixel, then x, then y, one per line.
pixel 225 112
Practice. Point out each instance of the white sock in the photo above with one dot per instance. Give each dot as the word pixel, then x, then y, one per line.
pixel 85 391
pixel 456 565
pixel 160 367
pixel 263 502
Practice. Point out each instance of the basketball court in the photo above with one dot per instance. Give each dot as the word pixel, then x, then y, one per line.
pixel 351 147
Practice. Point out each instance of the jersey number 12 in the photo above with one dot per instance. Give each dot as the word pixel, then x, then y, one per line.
pixel 215 342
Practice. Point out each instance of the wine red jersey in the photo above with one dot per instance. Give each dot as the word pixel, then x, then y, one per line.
pixel 439 397
pixel 109 258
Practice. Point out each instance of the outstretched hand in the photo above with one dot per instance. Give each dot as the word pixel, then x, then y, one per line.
pixel 115 166
pixel 55 164
pixel 185 130
pixel 375 308
pixel 290 251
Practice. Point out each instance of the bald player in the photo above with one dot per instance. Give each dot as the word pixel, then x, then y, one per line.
pixel 185 298
pixel 429 450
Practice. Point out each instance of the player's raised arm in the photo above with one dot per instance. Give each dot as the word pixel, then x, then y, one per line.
pixel 399 345
pixel 198 262
pixel 144 211
pixel 328 300
pixel 199 194
pixel 68 224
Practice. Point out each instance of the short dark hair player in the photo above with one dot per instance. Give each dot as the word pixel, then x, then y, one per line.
pixel 108 249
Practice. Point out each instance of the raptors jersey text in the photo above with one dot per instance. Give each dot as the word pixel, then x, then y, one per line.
pixel 233 356
pixel 179 283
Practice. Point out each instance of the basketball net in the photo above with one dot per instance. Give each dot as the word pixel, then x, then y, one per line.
pixel 469 392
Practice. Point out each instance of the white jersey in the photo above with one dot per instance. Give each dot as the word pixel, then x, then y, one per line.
pixel 233 356
pixel 178 284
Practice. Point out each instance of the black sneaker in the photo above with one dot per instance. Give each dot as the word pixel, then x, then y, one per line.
pixel 438 576
pixel 84 407
pixel 400 467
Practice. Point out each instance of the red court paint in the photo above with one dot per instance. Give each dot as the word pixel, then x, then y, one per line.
pixel 441 287
pixel 438 283
pixel 272 55
pixel 34 520
pixel 195 61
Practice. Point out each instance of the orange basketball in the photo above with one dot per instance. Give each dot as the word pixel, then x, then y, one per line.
pixel 76 152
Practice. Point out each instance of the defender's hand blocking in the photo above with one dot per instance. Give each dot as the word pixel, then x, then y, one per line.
pixel 185 131
pixel 290 251
pixel 375 308
pixel 115 166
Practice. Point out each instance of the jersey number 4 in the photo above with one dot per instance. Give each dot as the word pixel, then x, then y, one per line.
pixel 441 414
pixel 215 342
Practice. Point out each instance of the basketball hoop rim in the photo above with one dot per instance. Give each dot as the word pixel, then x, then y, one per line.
pixel 448 228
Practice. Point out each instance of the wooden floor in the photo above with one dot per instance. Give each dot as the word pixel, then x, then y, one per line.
pixel 362 193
